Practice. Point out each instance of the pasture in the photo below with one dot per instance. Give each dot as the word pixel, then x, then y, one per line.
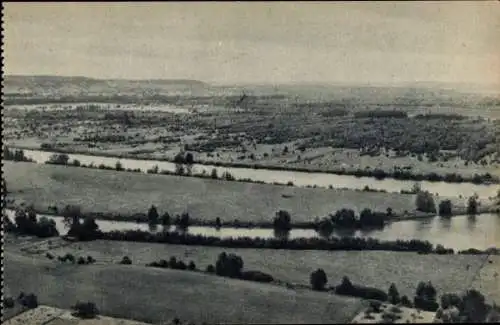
pixel 158 295
pixel 124 193
pixel 448 273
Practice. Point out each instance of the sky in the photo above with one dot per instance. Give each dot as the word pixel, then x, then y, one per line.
pixel 264 42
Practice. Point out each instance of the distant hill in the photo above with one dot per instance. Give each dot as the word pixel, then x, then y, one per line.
pixel 55 86
pixel 42 89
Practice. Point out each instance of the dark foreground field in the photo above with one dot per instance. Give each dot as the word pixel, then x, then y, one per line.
pixel 128 193
pixel 448 273
pixel 157 295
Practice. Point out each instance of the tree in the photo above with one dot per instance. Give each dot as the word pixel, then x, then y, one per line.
pixel 213 174
pixel 126 260
pixel 425 202
pixel 86 310
pixel 282 221
pixel 72 215
pixel 325 227
pixel 182 221
pixel 472 204
pixel 344 218
pixel 229 265
pixel 318 280
pixel 218 223
pixel 189 159
pixel 191 266
pixel 474 306
pixel 153 215
pixel 165 219
pixel 59 159
pixel 118 166
pixel 393 294
pixel 445 208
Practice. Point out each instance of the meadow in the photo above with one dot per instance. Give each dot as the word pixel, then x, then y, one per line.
pixel 371 268
pixel 123 193
pixel 158 295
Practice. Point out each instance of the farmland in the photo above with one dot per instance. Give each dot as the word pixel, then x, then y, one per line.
pixel 153 295
pixel 129 193
pixel 326 128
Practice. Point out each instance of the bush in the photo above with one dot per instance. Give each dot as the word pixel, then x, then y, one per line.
pixel 318 280
pixel 70 257
pixel 29 301
pixel 426 304
pixel 86 310
pixel 210 269
pixel 349 289
pixel 90 259
pixel 229 265
pixel 126 260
pixel 81 260
pixel 49 256
pixel 8 302
pixel 256 276
pixel 191 266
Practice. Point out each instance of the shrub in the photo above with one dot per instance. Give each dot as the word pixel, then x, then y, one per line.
pixel 81 260
pixel 191 266
pixel 180 266
pixel 126 260
pixel 69 257
pixel 348 289
pixel 256 276
pixel 85 310
pixel 8 302
pixel 90 259
pixel 426 304
pixel 318 280
pixel 30 301
pixel 210 269
pixel 229 265
pixel 49 256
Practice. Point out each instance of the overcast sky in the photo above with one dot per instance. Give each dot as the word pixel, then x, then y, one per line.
pixel 272 42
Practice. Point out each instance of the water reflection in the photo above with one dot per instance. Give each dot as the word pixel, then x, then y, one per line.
pixel 471 222
pixel 461 232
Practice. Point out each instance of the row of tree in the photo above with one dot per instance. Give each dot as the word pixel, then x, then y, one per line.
pixel 470 306
pixel 26 222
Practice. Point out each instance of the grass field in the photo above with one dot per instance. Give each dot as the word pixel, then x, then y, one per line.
pixel 128 193
pixel 488 279
pixel 158 295
pixel 378 269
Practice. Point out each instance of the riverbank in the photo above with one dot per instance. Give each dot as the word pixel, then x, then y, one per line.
pixel 397 174
pixel 127 194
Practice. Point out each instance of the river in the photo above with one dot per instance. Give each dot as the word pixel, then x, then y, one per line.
pixel 298 178
pixel 459 233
